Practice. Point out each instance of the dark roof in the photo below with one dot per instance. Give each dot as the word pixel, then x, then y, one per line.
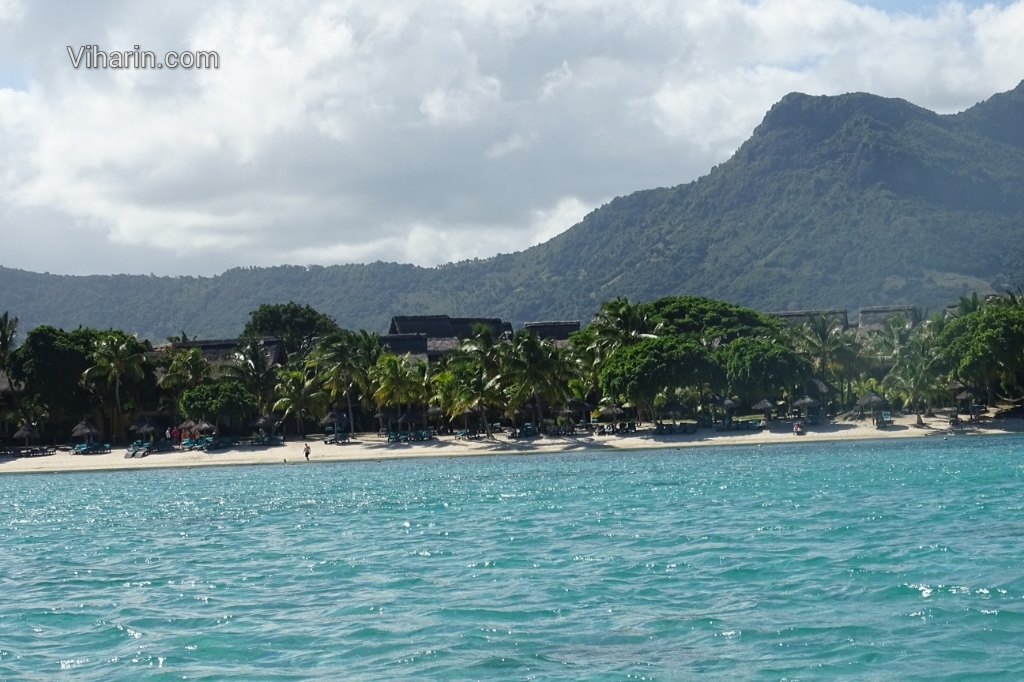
pixel 795 317
pixel 554 330
pixel 400 344
pixel 874 318
pixel 443 326
pixel 221 351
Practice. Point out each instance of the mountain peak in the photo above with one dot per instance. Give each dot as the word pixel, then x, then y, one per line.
pixel 827 113
pixel 1000 117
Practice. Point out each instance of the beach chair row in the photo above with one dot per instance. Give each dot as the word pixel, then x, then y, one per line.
pixel 410 436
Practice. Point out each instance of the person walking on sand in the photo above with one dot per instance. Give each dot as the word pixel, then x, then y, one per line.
pixel 305 451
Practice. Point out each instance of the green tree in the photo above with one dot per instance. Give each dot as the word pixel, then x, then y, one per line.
pixel 299 393
pixel 532 368
pixel 296 325
pixel 118 364
pixel 8 342
pixel 50 363
pixel 985 347
pixel 711 322
pixel 618 324
pixel 117 359
pixel 253 368
pixel 396 381
pixel 653 366
pixel 761 368
pixel 225 398
pixel 188 368
pixel 342 362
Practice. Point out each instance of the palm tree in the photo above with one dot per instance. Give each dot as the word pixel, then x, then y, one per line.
pixel 832 351
pixel 396 380
pixel 116 358
pixel 253 368
pixel 533 368
pixel 8 340
pixel 618 324
pixel 299 393
pixel 342 360
pixel 914 380
pixel 188 368
pixel 968 304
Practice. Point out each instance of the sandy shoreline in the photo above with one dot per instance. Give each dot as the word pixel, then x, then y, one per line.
pixel 369 447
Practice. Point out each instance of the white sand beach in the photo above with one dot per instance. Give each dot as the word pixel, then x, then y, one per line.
pixel 369 446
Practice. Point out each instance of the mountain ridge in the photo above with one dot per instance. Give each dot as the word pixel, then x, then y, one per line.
pixel 834 201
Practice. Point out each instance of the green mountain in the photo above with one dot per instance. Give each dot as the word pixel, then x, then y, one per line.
pixel 844 201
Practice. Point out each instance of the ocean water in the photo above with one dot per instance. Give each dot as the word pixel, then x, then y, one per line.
pixel 868 560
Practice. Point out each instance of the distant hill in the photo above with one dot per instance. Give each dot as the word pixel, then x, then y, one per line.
pixel 844 201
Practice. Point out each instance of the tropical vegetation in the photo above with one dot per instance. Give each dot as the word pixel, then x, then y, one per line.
pixel 678 357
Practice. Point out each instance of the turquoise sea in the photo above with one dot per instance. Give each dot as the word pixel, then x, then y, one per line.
pixel 866 560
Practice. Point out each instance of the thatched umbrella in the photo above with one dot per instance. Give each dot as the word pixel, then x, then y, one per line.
pixel 805 403
pixel 871 399
pixel 967 394
pixel 144 426
pixel 334 418
pixel 27 431
pixel 579 406
pixel 823 387
pixel 203 427
pixel 764 405
pixel 955 386
pixel 187 425
pixel 435 411
pixel 84 429
pixel 731 404
pixel 265 420
pixel 147 429
pixel 611 411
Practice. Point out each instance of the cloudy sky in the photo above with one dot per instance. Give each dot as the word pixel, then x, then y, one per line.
pixel 422 132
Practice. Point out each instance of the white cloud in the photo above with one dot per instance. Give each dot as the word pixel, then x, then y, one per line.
pixel 421 132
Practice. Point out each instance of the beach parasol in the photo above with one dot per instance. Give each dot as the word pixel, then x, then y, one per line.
pixel 824 387
pixel 147 429
pixel 806 401
pixel 27 431
pixel 763 406
pixel 333 417
pixel 578 405
pixel 144 426
pixel 84 428
pixel 871 399
pixel 954 386
pixel 967 394
pixel 203 427
pixel 265 421
pixel 730 404
pixel 434 411
pixel 187 425
pixel 611 411
pixel 672 405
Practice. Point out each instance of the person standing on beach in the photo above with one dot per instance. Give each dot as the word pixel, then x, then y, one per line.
pixel 305 451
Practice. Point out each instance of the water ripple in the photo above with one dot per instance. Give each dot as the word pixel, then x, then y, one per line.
pixel 878 560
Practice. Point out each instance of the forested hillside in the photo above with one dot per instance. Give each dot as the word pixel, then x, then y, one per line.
pixel 843 201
